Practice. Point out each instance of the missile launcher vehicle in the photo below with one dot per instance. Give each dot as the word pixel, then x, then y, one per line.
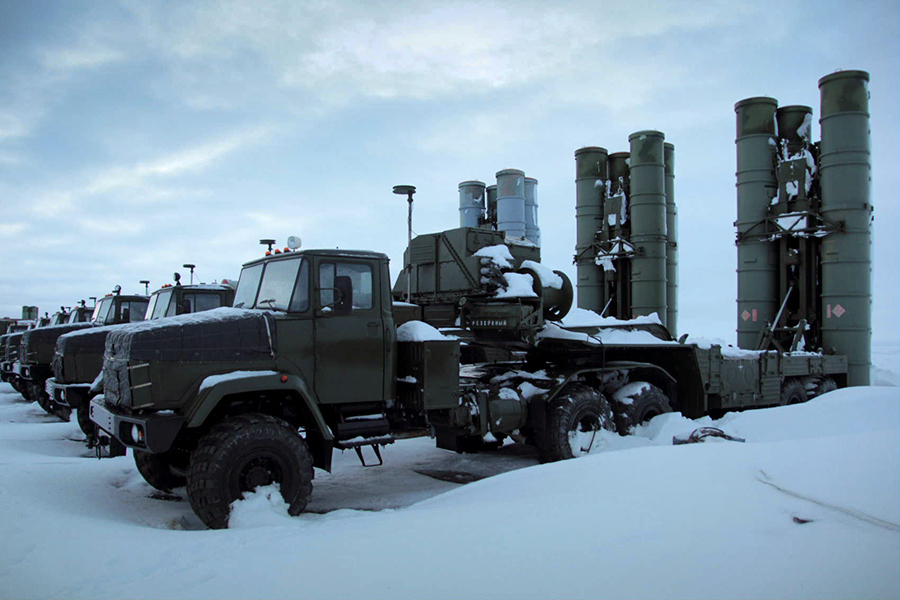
pixel 318 343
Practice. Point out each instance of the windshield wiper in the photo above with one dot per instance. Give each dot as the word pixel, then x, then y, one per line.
pixel 238 305
pixel 270 301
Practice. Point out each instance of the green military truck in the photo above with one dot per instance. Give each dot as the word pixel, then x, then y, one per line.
pixel 9 350
pixel 319 354
pixel 36 348
pixel 78 357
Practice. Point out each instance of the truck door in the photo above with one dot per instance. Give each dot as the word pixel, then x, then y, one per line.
pixel 349 332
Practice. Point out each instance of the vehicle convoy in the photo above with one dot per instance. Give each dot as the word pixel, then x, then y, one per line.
pixel 36 348
pixel 470 345
pixel 215 401
pixel 78 356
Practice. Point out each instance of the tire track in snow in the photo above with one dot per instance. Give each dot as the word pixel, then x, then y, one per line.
pixel 856 514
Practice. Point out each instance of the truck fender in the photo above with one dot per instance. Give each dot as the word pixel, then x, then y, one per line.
pixel 651 373
pixel 209 397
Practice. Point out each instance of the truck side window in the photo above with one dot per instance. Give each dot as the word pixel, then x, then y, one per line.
pixel 201 302
pixel 361 277
pixel 132 312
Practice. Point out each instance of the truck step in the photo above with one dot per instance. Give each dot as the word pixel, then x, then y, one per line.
pixel 359 443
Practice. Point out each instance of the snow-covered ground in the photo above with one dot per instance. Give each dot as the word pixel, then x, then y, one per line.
pixel 808 507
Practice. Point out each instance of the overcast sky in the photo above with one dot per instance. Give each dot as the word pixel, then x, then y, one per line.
pixel 136 136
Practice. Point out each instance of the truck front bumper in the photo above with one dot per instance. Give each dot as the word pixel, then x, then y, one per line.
pixel 21 371
pixel 6 373
pixel 75 395
pixel 150 433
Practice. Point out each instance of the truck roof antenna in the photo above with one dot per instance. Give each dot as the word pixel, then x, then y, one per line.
pixel 191 267
pixel 146 283
pixel 408 190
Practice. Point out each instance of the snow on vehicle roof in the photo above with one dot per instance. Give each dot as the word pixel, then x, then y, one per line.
pixel 419 331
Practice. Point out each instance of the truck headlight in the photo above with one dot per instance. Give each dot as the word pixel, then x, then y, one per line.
pixel 137 434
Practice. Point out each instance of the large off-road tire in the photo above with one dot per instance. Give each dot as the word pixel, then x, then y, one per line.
pixel 83 415
pixel 793 392
pixel 17 385
pixel 24 388
pixel 636 403
pixel 824 385
pixel 241 454
pixel 156 469
pixel 39 395
pixel 574 419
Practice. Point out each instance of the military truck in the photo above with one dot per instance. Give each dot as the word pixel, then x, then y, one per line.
pixel 9 350
pixel 9 346
pixel 36 348
pixel 319 355
pixel 78 356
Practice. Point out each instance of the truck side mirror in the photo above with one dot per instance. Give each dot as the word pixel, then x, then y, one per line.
pixel 344 286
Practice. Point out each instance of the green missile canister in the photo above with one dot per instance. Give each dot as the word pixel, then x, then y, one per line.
pixel 590 180
pixel 757 268
pixel 648 224
pixel 844 171
pixel 672 242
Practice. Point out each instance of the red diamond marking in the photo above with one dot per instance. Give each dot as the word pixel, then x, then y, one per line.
pixel 745 315
pixel 839 311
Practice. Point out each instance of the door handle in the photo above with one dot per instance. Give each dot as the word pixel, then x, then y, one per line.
pixel 373 328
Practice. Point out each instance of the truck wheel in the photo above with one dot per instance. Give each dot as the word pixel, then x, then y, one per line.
pixel 156 469
pixel 573 421
pixel 241 454
pixel 825 385
pixel 646 402
pixel 83 415
pixel 793 392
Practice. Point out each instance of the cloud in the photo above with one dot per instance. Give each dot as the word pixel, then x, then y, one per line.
pixel 143 183
pixel 88 55
pixel 333 52
pixel 12 125
pixel 189 160
pixel 11 229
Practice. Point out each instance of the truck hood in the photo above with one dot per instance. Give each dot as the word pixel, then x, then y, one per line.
pixel 79 354
pixel 37 345
pixel 213 335
pixel 163 350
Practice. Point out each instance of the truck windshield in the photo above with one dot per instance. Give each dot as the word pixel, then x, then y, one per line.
pixel 248 285
pixel 158 304
pixel 281 284
pixel 102 310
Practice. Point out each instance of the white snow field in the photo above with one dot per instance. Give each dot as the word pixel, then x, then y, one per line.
pixel 808 507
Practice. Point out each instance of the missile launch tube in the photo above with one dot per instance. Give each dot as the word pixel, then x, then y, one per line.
pixel 532 229
pixel 590 176
pixel 844 166
pixel 471 204
pixel 511 202
pixel 648 224
pixel 672 243
pixel 757 269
